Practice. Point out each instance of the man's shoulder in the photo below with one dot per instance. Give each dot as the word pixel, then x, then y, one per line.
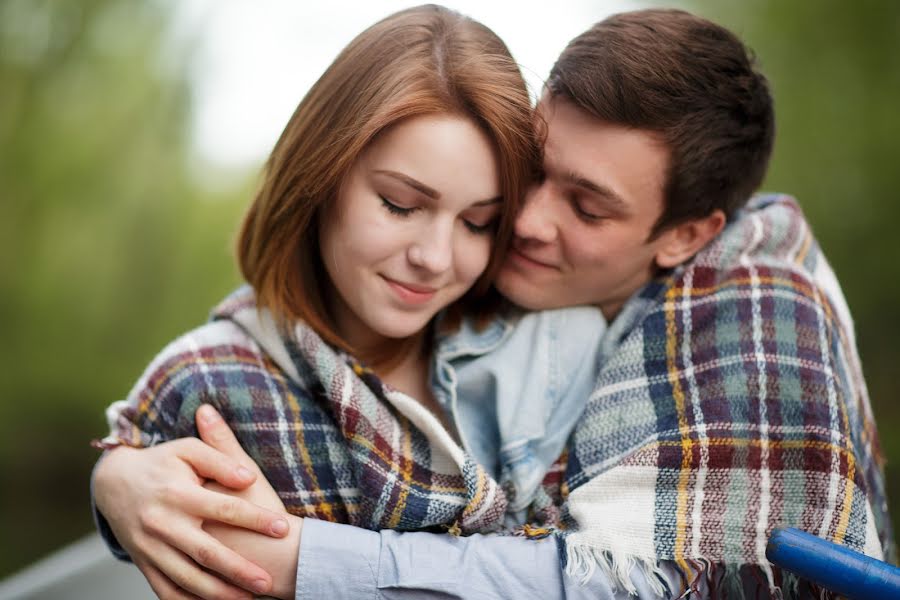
pixel 767 227
pixel 769 240
pixel 766 262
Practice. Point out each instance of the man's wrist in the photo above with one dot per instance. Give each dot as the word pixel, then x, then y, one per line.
pixel 284 566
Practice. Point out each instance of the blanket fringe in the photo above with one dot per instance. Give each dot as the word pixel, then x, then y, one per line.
pixel 727 582
pixel 582 561
pixel 790 585
pixel 731 583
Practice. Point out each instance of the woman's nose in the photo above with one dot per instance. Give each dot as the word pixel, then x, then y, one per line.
pixel 433 250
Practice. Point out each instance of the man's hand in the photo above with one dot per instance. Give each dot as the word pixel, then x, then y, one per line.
pixel 277 556
pixel 155 504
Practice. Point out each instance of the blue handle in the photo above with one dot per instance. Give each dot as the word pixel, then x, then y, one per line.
pixel 834 567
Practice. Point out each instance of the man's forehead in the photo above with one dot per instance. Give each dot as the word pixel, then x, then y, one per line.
pixel 566 126
pixel 566 147
pixel 604 158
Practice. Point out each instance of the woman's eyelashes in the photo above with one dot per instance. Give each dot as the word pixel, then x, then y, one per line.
pixel 482 219
pixel 405 211
pixel 480 229
pixel 396 209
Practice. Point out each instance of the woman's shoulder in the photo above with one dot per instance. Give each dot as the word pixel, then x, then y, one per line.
pixel 211 344
pixel 217 354
pixel 220 343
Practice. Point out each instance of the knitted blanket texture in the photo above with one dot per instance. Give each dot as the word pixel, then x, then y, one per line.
pixel 732 402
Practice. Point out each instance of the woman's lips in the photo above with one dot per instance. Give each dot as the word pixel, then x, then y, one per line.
pixel 410 292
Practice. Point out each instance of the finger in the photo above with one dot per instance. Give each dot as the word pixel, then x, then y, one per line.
pixel 215 432
pixel 184 574
pixel 231 510
pixel 162 586
pixel 208 552
pixel 210 463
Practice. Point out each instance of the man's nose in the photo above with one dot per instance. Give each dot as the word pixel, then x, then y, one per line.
pixel 537 220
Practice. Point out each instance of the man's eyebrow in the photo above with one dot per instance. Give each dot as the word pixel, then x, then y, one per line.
pixel 613 199
pixel 413 183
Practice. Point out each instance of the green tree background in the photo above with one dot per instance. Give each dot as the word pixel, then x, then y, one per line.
pixel 110 245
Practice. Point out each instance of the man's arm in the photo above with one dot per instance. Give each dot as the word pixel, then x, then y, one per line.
pixel 340 561
pixel 330 560
pixel 345 562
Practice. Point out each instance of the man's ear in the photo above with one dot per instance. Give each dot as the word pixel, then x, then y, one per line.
pixel 684 240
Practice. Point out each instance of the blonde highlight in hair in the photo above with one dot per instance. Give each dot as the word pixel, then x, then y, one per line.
pixel 423 60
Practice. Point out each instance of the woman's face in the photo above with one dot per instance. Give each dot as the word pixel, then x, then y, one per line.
pixel 412 227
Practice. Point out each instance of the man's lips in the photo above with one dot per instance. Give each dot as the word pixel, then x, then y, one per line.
pixel 527 260
pixel 410 292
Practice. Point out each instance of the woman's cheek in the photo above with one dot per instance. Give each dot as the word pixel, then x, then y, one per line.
pixel 476 257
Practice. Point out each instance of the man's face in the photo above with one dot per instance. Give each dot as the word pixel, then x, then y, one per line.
pixel 582 237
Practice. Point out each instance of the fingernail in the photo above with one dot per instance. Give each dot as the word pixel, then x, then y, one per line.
pixel 279 527
pixel 244 473
pixel 260 586
pixel 207 414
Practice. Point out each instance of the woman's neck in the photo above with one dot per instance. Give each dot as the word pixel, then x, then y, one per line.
pixel 411 376
pixel 405 365
pixel 408 371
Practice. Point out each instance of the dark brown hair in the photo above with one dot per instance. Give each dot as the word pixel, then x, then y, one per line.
pixel 423 60
pixel 690 81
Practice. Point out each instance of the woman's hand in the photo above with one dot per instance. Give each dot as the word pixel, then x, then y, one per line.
pixel 277 556
pixel 155 504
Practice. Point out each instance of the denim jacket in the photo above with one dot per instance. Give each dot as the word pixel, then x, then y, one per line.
pixel 515 389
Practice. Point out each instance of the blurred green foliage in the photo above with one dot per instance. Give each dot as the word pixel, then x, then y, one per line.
pixel 110 246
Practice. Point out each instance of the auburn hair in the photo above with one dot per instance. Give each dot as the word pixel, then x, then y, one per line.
pixel 419 61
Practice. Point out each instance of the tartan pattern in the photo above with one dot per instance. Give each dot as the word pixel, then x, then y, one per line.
pixel 734 403
pixel 731 401
pixel 329 437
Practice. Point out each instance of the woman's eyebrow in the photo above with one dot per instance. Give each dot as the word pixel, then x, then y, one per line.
pixel 427 190
pixel 413 183
pixel 495 200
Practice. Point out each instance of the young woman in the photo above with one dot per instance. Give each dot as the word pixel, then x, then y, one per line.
pixel 390 197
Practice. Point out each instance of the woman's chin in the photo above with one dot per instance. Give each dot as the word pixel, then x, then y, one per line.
pixel 395 331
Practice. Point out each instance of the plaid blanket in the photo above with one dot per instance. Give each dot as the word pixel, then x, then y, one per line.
pixel 334 442
pixel 733 403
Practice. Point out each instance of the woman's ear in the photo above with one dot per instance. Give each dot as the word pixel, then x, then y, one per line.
pixel 684 240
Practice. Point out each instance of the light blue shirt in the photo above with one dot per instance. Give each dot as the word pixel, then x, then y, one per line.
pixel 341 562
pixel 515 389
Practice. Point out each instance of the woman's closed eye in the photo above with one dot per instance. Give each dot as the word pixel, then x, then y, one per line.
pixel 481 219
pixel 396 209
pixel 480 224
pixel 483 228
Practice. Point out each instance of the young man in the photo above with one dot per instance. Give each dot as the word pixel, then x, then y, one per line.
pixel 730 398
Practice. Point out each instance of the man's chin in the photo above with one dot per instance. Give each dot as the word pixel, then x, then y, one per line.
pixel 524 293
